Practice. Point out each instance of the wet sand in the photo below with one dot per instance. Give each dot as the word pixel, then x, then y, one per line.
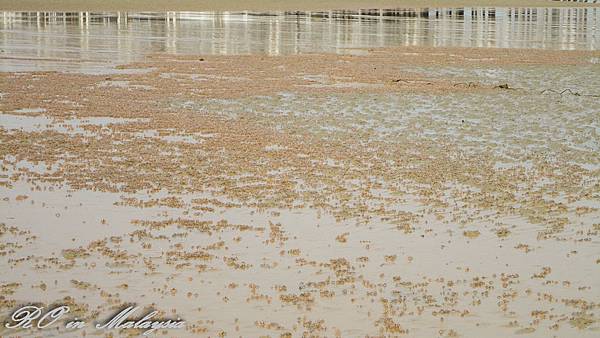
pixel 410 191
pixel 263 5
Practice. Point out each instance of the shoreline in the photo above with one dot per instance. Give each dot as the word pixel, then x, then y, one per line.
pixel 267 5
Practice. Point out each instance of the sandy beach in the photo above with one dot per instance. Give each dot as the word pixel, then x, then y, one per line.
pixel 395 191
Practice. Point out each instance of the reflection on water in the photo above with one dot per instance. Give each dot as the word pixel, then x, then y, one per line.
pixel 125 37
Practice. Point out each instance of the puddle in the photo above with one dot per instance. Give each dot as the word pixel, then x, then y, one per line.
pixel 69 126
pixel 25 123
pixel 172 136
pixel 123 84
pixel 30 110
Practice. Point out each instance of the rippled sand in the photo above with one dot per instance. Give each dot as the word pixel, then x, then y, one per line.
pixel 416 192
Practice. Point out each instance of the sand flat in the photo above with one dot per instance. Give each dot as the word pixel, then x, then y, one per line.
pixel 293 176
pixel 401 192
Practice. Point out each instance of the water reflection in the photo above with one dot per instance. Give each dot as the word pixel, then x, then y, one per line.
pixel 125 37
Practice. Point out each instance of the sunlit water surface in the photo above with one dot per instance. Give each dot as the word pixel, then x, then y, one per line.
pixel 88 41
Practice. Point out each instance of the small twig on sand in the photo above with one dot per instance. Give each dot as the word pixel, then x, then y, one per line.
pixel 567 90
pixel 548 90
pixel 570 91
pixel 469 85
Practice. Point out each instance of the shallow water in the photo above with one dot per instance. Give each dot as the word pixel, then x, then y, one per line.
pixel 432 267
pixel 87 41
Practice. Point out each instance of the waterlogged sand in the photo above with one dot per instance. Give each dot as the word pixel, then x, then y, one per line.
pixel 401 192
pixel 263 5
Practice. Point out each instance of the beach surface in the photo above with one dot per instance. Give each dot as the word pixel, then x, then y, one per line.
pixel 403 192
pixel 294 175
